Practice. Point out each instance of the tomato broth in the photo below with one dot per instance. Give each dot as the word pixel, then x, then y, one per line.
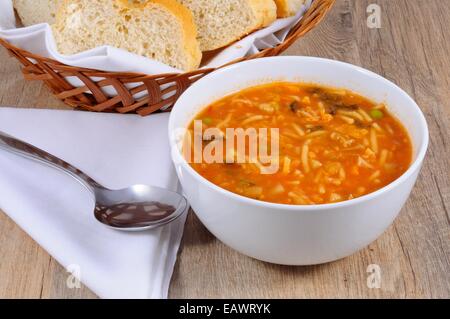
pixel 334 145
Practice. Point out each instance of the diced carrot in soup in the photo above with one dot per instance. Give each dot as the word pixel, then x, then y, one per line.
pixel 334 145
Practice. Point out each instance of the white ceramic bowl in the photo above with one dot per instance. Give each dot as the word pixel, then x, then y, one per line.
pixel 288 234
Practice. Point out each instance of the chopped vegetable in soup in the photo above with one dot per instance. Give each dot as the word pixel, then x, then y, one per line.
pixel 334 145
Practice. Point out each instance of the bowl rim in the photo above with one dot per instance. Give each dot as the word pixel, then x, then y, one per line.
pixel 416 164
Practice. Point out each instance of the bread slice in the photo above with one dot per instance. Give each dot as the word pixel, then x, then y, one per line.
pixel 163 30
pixel 36 11
pixel 221 22
pixel 287 8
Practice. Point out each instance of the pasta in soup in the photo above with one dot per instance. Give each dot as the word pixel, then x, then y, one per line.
pixel 334 145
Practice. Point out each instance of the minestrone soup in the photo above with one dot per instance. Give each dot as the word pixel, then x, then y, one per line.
pixel 334 145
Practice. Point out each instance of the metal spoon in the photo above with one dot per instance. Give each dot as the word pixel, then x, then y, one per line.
pixel 135 208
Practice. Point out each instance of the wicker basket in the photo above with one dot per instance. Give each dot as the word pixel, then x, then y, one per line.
pixel 155 91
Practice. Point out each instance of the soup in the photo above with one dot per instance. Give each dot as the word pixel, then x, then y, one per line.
pixel 334 145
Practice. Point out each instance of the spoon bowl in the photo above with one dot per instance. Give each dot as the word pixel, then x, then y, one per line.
pixel 137 207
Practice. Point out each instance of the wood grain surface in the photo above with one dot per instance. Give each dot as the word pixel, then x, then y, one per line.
pixel 412 48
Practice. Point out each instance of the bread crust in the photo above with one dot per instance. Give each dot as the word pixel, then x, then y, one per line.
pixel 283 8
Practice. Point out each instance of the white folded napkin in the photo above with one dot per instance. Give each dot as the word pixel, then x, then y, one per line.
pixel 117 151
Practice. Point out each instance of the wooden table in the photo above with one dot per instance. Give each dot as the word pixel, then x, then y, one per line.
pixel 412 49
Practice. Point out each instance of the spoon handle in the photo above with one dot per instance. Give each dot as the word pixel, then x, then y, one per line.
pixel 21 148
